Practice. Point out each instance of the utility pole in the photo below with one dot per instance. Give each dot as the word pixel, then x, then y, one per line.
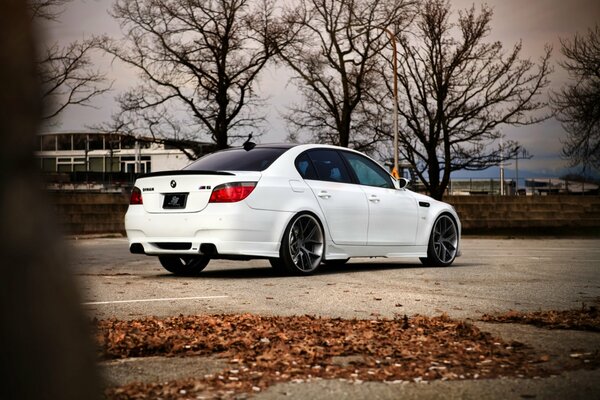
pixel 392 38
pixel 501 167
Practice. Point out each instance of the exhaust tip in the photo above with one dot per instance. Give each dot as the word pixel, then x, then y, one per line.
pixel 136 248
pixel 208 249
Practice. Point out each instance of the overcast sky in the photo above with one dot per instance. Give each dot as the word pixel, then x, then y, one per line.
pixel 535 22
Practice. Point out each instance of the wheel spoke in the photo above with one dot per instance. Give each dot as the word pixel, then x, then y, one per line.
pixel 311 234
pixel 445 239
pixel 306 243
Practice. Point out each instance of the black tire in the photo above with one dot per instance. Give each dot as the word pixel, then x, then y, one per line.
pixel 184 265
pixel 336 263
pixel 443 242
pixel 303 245
pixel 277 264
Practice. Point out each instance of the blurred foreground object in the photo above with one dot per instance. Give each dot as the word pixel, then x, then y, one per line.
pixel 45 347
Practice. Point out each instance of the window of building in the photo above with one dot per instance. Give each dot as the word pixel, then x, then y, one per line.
pixel 127 142
pixel 49 164
pixel 97 164
pixel 70 164
pixel 63 143
pixel 95 142
pixel 79 142
pixel 48 142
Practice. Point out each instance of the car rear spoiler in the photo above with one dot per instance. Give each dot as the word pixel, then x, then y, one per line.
pixel 184 172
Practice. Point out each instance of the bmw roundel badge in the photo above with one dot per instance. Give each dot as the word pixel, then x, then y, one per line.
pixel 173 183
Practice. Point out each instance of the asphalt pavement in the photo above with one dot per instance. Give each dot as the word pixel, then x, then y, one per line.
pixel 492 275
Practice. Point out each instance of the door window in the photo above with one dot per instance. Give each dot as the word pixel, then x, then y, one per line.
pixel 329 166
pixel 367 172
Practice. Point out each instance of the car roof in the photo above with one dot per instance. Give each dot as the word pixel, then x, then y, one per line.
pixel 278 145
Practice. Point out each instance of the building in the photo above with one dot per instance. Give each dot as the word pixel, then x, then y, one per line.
pixel 546 186
pixel 84 157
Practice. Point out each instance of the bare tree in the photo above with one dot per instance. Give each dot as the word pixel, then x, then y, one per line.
pixel 46 9
pixel 67 75
pixel 458 90
pixel 577 105
pixel 198 61
pixel 334 51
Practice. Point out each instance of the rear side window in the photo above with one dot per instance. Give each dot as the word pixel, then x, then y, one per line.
pixel 329 166
pixel 305 167
pixel 257 159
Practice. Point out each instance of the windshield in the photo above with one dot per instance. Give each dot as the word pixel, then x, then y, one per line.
pixel 257 159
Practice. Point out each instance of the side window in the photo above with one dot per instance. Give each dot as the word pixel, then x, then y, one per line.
pixel 305 167
pixel 368 172
pixel 329 166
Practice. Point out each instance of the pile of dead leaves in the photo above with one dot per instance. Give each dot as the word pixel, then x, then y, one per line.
pixel 584 319
pixel 263 350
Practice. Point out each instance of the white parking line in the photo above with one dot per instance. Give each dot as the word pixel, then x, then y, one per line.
pixel 95 303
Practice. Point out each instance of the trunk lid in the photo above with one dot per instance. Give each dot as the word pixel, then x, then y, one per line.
pixel 185 191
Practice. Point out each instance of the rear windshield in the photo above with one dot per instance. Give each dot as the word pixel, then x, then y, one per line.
pixel 257 159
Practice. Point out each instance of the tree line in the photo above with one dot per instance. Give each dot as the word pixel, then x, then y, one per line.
pixel 199 62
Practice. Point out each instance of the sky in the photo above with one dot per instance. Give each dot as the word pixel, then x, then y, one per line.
pixel 534 22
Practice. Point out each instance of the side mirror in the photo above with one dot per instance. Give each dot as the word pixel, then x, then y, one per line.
pixel 403 183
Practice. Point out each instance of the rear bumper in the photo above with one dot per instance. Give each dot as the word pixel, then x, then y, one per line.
pixel 227 229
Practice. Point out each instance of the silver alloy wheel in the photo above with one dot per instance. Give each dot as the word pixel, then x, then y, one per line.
pixel 445 239
pixel 306 243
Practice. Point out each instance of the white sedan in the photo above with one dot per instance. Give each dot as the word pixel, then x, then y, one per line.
pixel 296 205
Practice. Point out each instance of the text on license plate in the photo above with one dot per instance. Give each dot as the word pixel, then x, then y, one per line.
pixel 175 200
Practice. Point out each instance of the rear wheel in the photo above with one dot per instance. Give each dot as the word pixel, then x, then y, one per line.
pixel 443 242
pixel 302 245
pixel 184 265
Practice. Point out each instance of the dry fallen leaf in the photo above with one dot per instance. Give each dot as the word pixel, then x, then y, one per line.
pixel 263 350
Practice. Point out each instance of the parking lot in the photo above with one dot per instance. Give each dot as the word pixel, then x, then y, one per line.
pixel 492 275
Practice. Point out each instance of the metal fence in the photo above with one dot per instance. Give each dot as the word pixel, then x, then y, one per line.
pixel 116 181
pixel 525 186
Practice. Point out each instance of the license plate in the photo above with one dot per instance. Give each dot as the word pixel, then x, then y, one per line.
pixel 175 200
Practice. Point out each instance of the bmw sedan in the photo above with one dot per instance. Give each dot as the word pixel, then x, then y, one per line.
pixel 298 206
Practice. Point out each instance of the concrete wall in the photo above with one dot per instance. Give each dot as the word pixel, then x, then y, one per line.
pixel 90 212
pixel 94 213
pixel 528 214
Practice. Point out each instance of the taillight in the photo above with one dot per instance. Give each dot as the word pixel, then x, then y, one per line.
pixel 136 196
pixel 231 192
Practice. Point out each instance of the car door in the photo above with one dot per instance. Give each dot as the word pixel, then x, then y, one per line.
pixel 343 203
pixel 393 213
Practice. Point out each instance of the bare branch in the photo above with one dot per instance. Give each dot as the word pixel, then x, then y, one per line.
pixel 577 104
pixel 46 9
pixel 68 77
pixel 458 90
pixel 334 50
pixel 197 58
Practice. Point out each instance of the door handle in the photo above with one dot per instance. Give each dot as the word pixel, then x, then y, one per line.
pixel 324 195
pixel 374 199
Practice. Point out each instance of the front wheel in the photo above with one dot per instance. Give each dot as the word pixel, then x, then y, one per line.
pixel 302 246
pixel 184 265
pixel 443 243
